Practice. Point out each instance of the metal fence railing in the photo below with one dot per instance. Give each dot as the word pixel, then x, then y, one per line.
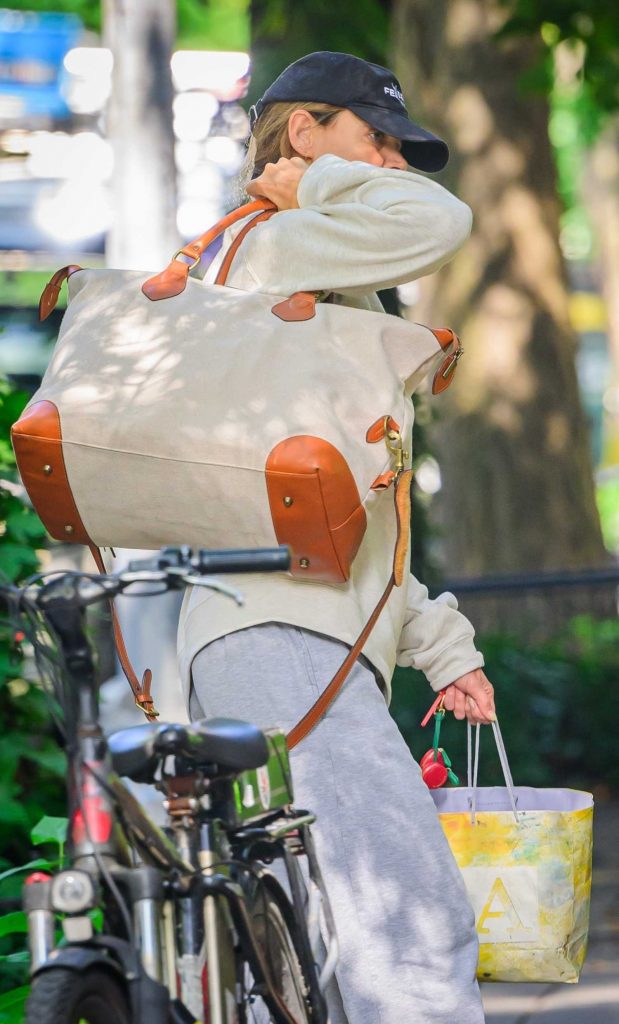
pixel 536 605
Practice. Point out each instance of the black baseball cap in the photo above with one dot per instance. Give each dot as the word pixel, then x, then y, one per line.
pixel 370 91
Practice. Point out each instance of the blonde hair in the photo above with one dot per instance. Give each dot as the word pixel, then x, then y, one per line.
pixel 269 139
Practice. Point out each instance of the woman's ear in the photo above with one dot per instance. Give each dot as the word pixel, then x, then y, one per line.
pixel 300 125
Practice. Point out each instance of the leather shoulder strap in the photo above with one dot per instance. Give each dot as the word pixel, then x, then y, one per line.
pixel 324 702
pixel 141 690
pixel 226 263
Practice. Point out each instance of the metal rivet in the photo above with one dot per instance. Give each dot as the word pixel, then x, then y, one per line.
pixel 47 470
pixel 288 502
pixel 304 563
pixel 68 528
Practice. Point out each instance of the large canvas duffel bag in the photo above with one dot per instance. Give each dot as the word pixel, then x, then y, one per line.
pixel 178 412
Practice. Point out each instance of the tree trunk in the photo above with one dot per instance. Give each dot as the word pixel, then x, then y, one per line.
pixel 512 441
pixel 141 35
pixel 601 193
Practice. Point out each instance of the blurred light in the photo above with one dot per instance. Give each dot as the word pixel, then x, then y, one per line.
pixel 550 33
pixel 77 210
pixel 89 87
pixel 195 216
pixel 205 181
pixel 610 401
pixel 88 60
pixel 188 155
pixel 205 69
pixel 563 128
pixel 428 476
pixel 16 140
pixel 225 152
pixel 587 312
pixel 193 113
pixel 59 155
pixel 576 240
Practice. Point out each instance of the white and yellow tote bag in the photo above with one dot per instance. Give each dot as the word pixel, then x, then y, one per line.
pixel 525 856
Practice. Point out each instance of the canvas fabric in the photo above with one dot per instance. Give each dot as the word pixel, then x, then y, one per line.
pixel 170 407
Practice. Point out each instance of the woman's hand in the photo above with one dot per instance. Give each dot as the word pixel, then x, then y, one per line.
pixel 471 696
pixel 279 182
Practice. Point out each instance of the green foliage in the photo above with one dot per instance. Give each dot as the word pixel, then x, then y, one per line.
pixel 607 498
pixel 593 24
pixel 556 704
pixel 50 830
pixel 14 958
pixel 31 765
pixel 10 924
pixel 575 122
pixel 284 30
pixel 213 24
pixel 581 101
pixel 21 289
pixel 12 1005
pixel 209 24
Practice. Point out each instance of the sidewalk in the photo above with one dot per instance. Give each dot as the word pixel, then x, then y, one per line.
pixel 595 999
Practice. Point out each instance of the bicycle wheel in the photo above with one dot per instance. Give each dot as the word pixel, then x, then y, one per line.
pixel 276 932
pixel 61 996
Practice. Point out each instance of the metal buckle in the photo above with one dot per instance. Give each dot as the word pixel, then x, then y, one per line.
pixel 182 252
pixel 396 449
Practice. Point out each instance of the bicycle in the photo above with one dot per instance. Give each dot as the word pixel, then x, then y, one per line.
pixel 196 927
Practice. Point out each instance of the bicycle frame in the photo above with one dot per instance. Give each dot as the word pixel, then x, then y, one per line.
pixel 187 911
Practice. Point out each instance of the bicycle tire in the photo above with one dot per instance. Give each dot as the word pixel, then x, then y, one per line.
pixel 275 928
pixel 62 996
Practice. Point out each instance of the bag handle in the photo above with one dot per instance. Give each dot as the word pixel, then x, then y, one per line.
pixel 173 279
pixel 226 263
pixel 319 709
pixel 472 766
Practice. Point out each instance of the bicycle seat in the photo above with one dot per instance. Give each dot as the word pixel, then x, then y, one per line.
pixel 222 742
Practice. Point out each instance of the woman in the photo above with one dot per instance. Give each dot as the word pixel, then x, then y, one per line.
pixel 333 147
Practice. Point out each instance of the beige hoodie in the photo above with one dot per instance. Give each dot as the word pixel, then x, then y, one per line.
pixel 358 228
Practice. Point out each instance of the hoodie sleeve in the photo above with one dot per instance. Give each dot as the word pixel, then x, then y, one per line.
pixel 436 638
pixel 358 228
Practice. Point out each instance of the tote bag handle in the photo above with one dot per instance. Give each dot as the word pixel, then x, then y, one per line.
pixel 173 279
pixel 472 764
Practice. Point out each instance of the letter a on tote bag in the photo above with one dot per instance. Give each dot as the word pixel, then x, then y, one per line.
pixel 525 856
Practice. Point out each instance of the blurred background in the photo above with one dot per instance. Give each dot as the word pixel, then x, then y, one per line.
pixel 122 128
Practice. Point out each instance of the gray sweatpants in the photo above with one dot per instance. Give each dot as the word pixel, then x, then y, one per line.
pixel 408 946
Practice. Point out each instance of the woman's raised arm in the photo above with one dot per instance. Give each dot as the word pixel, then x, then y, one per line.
pixel 359 228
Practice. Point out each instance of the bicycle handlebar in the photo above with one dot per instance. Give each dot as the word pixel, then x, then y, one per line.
pixel 173 567
pixel 216 563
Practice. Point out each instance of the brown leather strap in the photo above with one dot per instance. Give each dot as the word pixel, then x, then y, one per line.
pixel 49 297
pixel 222 274
pixel 447 339
pixel 324 702
pixel 173 279
pixel 300 306
pixel 141 691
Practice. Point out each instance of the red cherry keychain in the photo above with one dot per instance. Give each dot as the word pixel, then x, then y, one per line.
pixel 435 764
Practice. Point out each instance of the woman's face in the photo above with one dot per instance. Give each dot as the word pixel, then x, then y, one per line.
pixel 351 138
